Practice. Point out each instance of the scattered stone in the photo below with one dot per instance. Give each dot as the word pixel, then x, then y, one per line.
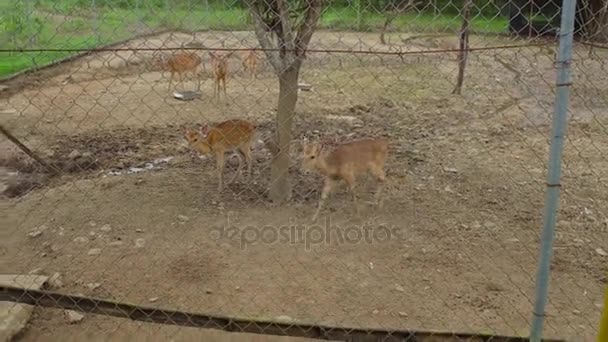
pixel 402 314
pixel 116 243
pixel 75 154
pixel 94 251
pixel 489 225
pixel 399 288
pixel 283 318
pixel 92 233
pixel 73 316
pixel 375 312
pixel 601 252
pixel 37 232
pixel 55 280
pixel 35 271
pixel 93 286
pixel 182 218
pixel 139 230
pixel 105 228
pixel 140 243
pixel 450 170
pixel 81 239
pixel 208 291
pixel 513 240
pixel 153 299
pixel 576 312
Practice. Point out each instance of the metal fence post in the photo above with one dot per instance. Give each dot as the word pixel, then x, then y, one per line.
pixel 558 131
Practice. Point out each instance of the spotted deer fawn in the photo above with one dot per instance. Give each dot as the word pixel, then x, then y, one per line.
pixel 345 162
pixel 228 136
pixel 220 71
pixel 181 64
pixel 250 62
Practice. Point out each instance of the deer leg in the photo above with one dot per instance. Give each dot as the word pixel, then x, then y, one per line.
pixel 238 171
pixel 327 188
pixel 170 80
pixel 246 151
pixel 381 177
pixel 350 180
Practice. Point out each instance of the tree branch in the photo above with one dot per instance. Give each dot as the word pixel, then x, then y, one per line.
pixel 309 25
pixel 261 31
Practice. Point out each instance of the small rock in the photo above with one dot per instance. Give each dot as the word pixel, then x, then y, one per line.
pixel 116 243
pixel 139 243
pixel 105 228
pixel 87 155
pixel 375 312
pixel 283 318
pixel 402 314
pixel 93 286
pixel 182 218
pixel 576 312
pixel 92 233
pixel 55 280
pixel 601 252
pixel 450 170
pixel 489 225
pixel 35 271
pixel 371 266
pixel 139 230
pixel 399 288
pixel 513 240
pixel 73 316
pixel 34 233
pixel 75 154
pixel 94 251
pixel 81 239
pixel 153 299
pixel 208 291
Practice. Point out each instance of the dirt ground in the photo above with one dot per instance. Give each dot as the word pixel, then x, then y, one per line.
pixel 135 215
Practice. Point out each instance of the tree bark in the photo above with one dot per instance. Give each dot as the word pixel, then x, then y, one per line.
pixel 280 188
pixel 464 46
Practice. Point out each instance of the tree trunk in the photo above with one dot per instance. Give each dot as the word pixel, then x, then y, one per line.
pixel 464 46
pixel 280 189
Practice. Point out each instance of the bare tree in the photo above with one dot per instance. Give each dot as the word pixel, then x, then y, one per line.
pixel 464 45
pixel 284 29
pixel 392 10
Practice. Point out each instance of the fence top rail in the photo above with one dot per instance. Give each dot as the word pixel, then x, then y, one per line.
pixel 134 312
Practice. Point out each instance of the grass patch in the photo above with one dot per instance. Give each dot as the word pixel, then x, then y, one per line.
pixel 71 24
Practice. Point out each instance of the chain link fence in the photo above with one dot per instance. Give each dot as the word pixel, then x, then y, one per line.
pixel 121 186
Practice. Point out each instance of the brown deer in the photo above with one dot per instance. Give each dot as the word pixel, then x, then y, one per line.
pixel 181 64
pixel 345 162
pixel 229 136
pixel 250 62
pixel 220 71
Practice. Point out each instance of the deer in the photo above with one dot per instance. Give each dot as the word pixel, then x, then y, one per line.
pixel 181 63
pixel 220 71
pixel 229 136
pixel 250 62
pixel 346 162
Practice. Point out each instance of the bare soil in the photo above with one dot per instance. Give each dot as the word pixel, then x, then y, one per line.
pixel 454 248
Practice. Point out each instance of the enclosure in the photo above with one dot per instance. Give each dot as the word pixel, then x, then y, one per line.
pixel 134 214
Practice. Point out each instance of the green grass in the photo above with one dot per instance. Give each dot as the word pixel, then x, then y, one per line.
pixel 82 31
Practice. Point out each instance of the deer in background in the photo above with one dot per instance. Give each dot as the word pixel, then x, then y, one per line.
pixel 220 72
pixel 181 64
pixel 345 162
pixel 250 62
pixel 229 136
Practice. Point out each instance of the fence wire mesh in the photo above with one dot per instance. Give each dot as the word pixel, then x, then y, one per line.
pixel 114 185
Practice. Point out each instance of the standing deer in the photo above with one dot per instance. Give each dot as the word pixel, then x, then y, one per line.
pixel 228 136
pixel 220 72
pixel 181 63
pixel 250 62
pixel 345 162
